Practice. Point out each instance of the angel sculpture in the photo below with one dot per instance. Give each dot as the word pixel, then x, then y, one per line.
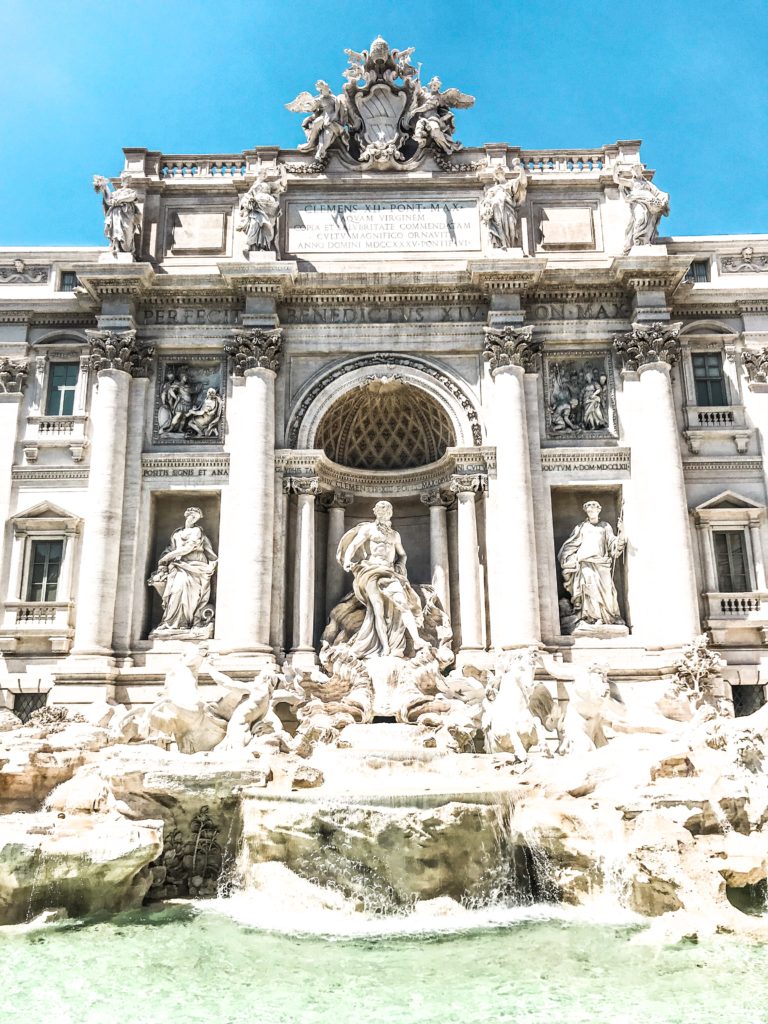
pixel 259 210
pixel 327 119
pixel 432 118
pixel 122 217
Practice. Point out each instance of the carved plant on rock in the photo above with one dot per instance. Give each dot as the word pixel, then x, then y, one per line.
pixel 696 671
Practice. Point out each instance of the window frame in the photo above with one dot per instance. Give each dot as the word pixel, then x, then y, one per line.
pixel 34 546
pixel 707 354
pixel 64 390
pixel 749 580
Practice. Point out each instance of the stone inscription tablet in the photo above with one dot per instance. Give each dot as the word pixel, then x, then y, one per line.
pixel 385 225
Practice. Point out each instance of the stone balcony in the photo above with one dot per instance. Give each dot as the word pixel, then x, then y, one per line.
pixel 35 624
pixel 55 432
pixel 714 423
pixel 735 618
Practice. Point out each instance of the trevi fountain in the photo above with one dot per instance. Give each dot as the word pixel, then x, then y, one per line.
pixel 383 588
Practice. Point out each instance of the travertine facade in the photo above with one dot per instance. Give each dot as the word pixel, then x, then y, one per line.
pixel 279 339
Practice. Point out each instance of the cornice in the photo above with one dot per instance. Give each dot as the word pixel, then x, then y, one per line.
pixel 267 278
pixel 103 281
pixel 506 275
pixel 649 273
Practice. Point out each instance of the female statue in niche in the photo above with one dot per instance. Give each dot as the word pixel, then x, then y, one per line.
pixel 587 561
pixel 183 580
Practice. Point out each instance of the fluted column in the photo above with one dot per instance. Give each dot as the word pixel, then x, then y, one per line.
pixel 306 489
pixel 277 610
pixel 515 621
pixel 335 582
pixel 246 545
pixel 666 612
pixel 438 544
pixel 470 597
pixel 116 357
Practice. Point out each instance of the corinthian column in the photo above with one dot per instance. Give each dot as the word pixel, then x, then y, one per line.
pixel 438 544
pixel 470 598
pixel 510 353
pixel 306 489
pixel 115 357
pixel 246 545
pixel 13 376
pixel 664 606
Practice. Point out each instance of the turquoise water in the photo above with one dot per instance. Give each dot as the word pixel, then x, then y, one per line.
pixel 186 965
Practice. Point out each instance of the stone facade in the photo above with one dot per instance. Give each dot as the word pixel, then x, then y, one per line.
pixel 471 334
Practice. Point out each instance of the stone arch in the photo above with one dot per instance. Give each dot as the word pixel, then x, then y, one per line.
pixel 317 397
pixel 711 329
pixel 61 336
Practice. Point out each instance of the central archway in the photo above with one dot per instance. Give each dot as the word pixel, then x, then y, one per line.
pixel 385 424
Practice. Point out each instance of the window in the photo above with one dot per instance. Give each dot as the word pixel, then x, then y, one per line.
pixel 698 272
pixel 68 281
pixel 62 384
pixel 747 699
pixel 44 570
pixel 25 703
pixel 731 561
pixel 708 378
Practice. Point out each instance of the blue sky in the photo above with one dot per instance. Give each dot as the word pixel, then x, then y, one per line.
pixel 80 79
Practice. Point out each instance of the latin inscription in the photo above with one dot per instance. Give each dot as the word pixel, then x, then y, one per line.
pixel 381 314
pixel 383 226
pixel 604 310
pixel 188 315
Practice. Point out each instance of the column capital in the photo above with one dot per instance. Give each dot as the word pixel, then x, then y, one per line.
pixel 511 346
pixel 755 362
pixel 437 499
pixel 648 343
pixel 119 350
pixel 336 499
pixel 13 376
pixel 308 485
pixel 255 348
pixel 465 483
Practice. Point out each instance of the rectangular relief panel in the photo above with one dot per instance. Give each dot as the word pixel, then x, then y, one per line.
pixel 189 401
pixel 580 395
pixel 196 231
pixel 560 227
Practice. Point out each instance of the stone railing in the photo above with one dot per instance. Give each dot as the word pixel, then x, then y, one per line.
pixel 55 432
pixel 714 417
pixel 737 606
pixel 547 161
pixel 171 167
pixel 49 616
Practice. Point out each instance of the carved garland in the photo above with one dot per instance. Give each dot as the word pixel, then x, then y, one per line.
pixel 119 350
pixel 648 343
pixel 389 358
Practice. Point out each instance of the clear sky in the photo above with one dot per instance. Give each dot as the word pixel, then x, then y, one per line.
pixel 80 79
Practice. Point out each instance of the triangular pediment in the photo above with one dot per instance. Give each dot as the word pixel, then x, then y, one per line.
pixel 726 500
pixel 45 510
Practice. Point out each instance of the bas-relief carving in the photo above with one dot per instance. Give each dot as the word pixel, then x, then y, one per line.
pixel 189 405
pixel 122 216
pixel 647 204
pixel 747 262
pixel 580 400
pixel 20 272
pixel 587 561
pixel 259 210
pixel 390 121
pixel 183 580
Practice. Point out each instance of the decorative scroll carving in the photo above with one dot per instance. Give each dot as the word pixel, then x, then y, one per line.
pixel 20 272
pixel 648 343
pixel 437 498
pixel 382 123
pixel 511 346
pixel 756 365
pixel 462 483
pixel 13 376
pixel 304 485
pixel 748 262
pixel 393 359
pixel 119 350
pixel 255 348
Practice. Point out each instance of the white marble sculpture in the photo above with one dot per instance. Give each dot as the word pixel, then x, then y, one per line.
pixel 259 210
pixel 500 205
pixel 374 554
pixel 183 579
pixel 587 561
pixel 326 122
pixel 647 204
pixel 122 217
pixel 431 116
pixel 517 711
